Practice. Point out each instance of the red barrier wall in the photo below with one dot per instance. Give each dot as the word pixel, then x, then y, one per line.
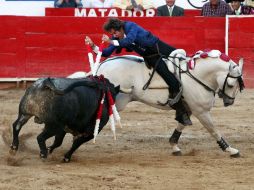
pixel 54 46
pixel 241 44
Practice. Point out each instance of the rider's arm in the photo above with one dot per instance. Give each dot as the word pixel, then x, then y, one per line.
pixel 131 35
pixel 108 51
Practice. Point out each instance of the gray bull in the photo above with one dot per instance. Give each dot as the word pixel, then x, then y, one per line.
pixel 74 111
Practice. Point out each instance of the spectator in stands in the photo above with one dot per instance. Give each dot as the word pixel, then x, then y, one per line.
pixel 170 9
pixel 216 8
pixel 249 3
pixel 240 9
pixel 68 4
pixel 98 3
pixel 129 35
pixel 133 4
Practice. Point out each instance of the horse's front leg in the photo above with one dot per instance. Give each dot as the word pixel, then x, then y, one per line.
pixel 206 120
pixel 174 140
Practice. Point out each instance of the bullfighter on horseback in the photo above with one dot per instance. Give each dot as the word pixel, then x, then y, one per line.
pixel 132 37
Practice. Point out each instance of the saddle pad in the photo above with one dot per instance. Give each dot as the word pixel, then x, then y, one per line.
pixel 129 57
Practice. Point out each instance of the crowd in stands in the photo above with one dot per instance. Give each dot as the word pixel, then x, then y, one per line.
pixel 214 8
pixel 170 9
pixel 68 3
pixel 221 8
pixel 134 4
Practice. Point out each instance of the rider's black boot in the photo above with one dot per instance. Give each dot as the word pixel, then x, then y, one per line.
pixel 182 114
pixel 175 101
pixel 183 118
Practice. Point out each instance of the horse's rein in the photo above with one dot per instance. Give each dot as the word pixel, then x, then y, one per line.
pixel 189 74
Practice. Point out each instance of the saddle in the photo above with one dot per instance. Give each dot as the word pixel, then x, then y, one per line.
pixel 177 66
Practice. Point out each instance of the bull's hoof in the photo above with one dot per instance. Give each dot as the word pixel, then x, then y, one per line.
pixel 50 150
pixel 13 147
pixel 177 153
pixel 43 159
pixel 237 155
pixel 43 156
pixel 12 152
pixel 66 160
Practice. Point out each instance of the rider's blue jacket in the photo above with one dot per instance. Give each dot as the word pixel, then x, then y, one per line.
pixel 137 39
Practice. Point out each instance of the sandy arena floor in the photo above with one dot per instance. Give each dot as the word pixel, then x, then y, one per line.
pixel 140 158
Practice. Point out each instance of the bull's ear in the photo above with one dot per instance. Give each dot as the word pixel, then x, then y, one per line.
pixel 117 89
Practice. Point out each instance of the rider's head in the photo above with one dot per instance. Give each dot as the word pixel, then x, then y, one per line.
pixel 115 27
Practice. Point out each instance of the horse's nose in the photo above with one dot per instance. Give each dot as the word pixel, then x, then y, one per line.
pixel 228 102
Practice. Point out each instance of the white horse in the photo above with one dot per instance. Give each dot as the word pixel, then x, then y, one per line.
pixel 210 75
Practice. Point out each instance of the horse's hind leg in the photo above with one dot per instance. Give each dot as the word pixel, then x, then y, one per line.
pixel 17 125
pixel 174 139
pixel 206 120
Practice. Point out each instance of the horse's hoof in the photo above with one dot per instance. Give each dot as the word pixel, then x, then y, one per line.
pixel 237 155
pixel 12 152
pixel 177 153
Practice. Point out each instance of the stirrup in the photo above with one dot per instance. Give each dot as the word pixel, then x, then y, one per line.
pixel 172 101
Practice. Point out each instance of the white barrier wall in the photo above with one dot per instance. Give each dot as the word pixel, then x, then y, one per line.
pixel 37 8
pixel 24 8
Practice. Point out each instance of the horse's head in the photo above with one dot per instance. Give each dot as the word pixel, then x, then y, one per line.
pixel 233 82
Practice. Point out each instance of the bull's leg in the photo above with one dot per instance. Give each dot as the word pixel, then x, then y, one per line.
pixel 17 125
pixel 76 144
pixel 206 120
pixel 41 139
pixel 174 139
pixel 58 141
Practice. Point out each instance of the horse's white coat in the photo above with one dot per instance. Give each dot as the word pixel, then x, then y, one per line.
pixel 132 75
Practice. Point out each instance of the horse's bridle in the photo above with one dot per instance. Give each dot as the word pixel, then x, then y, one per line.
pixel 222 93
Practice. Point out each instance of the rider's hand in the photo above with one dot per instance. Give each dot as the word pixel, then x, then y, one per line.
pixel 88 41
pixel 105 38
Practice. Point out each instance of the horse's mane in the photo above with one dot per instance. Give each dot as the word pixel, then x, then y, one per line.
pixel 128 57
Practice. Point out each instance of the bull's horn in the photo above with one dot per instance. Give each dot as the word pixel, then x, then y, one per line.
pixel 240 64
pixel 125 90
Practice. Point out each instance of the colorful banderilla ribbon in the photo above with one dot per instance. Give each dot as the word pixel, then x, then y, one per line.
pixel 94 65
pixel 112 111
